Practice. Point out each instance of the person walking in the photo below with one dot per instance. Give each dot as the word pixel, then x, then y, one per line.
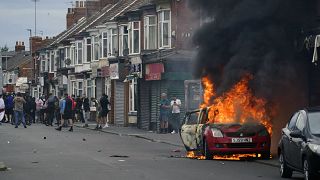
pixel 79 113
pixel 19 103
pixel 164 113
pixel 175 116
pixel 66 111
pixel 86 110
pixel 50 109
pixel 2 108
pixel 104 103
pixel 97 108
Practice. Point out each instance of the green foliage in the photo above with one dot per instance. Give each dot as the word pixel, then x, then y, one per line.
pixel 4 49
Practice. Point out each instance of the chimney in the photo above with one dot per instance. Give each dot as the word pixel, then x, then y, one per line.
pixel 19 46
pixel 76 13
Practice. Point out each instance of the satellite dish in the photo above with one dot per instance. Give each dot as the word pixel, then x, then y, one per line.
pixel 68 61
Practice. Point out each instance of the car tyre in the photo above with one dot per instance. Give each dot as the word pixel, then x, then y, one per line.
pixel 285 171
pixel 207 153
pixel 307 171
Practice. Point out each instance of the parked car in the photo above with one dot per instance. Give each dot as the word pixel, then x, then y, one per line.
pixel 209 139
pixel 299 146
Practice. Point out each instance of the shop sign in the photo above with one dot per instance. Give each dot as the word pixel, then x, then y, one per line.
pixel 154 71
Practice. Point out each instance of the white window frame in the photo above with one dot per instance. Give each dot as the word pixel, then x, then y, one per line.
pixel 131 37
pixel 73 54
pixel 104 46
pixel 78 87
pixel 77 52
pixel 147 27
pixel 122 35
pixel 67 53
pixel 96 41
pixel 132 99
pixel 88 46
pixel 51 70
pixel 113 36
pixel 162 21
pixel 92 87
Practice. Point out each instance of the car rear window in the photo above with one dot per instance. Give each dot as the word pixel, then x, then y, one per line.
pixel 314 123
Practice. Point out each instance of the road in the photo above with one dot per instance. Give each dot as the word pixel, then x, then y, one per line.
pixel 40 152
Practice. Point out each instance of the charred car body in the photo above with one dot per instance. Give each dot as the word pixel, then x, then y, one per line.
pixel 211 139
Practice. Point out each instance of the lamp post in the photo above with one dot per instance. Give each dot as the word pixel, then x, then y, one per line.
pixel 35 16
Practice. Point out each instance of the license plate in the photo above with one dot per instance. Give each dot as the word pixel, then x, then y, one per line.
pixel 241 140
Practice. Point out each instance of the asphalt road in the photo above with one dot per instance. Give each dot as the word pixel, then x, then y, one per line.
pixel 42 153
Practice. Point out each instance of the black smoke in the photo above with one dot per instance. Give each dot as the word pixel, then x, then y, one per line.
pixel 259 37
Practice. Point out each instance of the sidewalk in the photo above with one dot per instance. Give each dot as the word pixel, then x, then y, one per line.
pixel 170 139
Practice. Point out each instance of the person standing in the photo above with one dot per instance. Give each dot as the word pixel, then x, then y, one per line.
pixel 164 113
pixel 9 108
pixel 97 108
pixel 39 104
pixel 2 108
pixel 33 109
pixel 175 118
pixel 66 111
pixel 79 113
pixel 19 103
pixel 104 103
pixel 86 110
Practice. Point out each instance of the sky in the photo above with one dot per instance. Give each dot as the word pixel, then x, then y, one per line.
pixel 16 16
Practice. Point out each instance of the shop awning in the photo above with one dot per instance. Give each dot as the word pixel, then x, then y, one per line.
pixel 154 71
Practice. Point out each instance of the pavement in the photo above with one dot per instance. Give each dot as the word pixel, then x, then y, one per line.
pixel 169 139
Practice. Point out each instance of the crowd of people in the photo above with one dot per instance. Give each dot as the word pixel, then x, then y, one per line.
pixel 52 110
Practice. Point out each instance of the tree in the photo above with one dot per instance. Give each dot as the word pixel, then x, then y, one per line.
pixel 4 49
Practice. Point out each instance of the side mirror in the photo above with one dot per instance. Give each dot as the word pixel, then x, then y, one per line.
pixel 297 134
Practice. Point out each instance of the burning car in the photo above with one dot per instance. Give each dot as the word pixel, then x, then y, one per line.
pixel 200 133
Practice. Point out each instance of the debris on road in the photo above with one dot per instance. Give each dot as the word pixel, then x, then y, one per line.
pixel 121 160
pixel 35 162
pixel 120 156
pixel 34 151
pixel 44 137
pixel 3 167
pixel 99 150
pixel 8 142
pixel 176 150
pixel 83 139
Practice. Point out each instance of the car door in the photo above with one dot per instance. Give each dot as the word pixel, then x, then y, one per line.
pixel 297 143
pixel 189 129
pixel 286 139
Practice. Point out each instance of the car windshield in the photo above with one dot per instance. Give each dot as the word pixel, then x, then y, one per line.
pixel 314 123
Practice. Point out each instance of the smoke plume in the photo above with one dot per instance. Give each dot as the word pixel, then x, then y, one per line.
pixel 259 37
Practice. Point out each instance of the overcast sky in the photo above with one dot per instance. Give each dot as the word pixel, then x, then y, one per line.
pixel 16 16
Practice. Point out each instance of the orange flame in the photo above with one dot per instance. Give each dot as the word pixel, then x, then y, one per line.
pixel 238 105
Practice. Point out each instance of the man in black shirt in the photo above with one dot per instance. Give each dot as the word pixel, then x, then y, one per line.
pixel 103 114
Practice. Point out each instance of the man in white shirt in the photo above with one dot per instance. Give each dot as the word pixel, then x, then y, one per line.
pixel 175 118
pixel 2 108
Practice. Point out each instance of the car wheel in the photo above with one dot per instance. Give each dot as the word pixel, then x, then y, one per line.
pixel 307 171
pixel 207 153
pixel 285 171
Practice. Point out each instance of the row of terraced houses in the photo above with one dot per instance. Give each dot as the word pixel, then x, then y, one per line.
pixel 132 50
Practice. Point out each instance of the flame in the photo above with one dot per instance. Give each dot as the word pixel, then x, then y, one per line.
pixel 233 157
pixel 238 105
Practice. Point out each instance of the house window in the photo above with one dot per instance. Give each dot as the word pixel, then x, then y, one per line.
pixel 114 42
pixel 62 58
pixel 124 38
pixel 88 44
pixel 90 88
pixel 80 88
pixel 73 53
pixel 43 63
pixel 150 32
pixel 73 88
pixel 51 62
pixel 79 53
pixel 164 29
pixel 104 44
pixel 96 48
pixel 135 37
pixel 133 95
pixel 67 56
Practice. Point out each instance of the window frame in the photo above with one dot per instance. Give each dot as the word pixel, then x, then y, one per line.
pixel 96 46
pixel 132 30
pixel 162 21
pixel 113 38
pixel 122 36
pixel 147 27
pixel 133 85
pixel 88 46
pixel 78 50
pixel 104 46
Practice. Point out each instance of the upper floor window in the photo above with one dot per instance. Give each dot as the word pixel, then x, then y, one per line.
pixel 150 32
pixel 72 54
pixel 124 41
pixel 88 49
pixel 43 64
pixel 134 35
pixel 52 63
pixel 96 48
pixel 62 58
pixel 79 52
pixel 164 29
pixel 114 42
pixel 104 44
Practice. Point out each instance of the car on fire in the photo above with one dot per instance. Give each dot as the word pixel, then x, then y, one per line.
pixel 200 135
pixel 299 146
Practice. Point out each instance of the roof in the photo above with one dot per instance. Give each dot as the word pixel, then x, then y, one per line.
pixel 18 59
pixel 8 53
pixel 107 14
